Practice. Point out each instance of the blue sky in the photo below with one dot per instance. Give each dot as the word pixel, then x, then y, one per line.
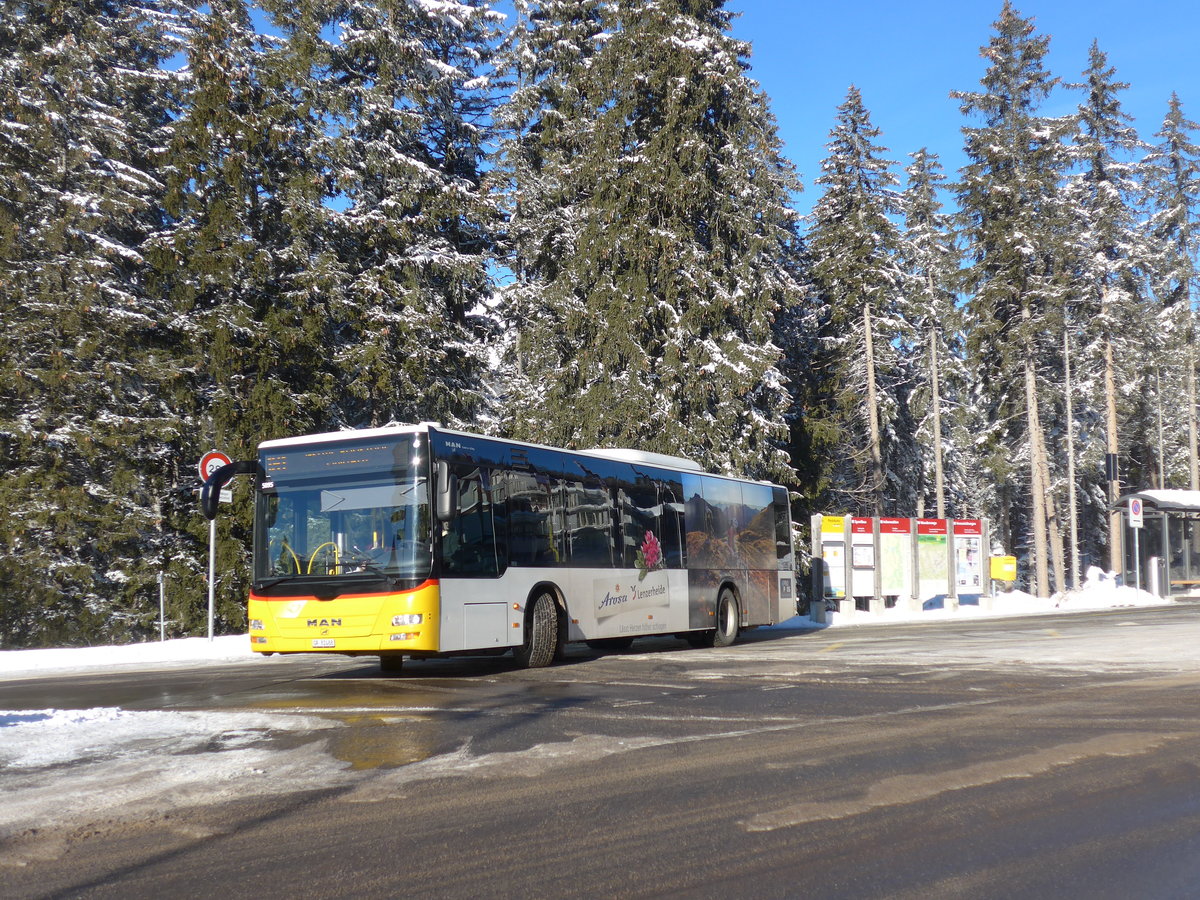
pixel 907 55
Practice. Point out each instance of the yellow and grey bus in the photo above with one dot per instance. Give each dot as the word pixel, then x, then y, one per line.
pixel 421 541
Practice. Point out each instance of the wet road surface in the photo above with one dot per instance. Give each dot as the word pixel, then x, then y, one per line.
pixel 1035 757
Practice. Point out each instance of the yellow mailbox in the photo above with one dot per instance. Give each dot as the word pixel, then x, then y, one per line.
pixel 1004 568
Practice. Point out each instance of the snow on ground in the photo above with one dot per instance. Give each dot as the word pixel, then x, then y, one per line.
pixel 122 763
pixel 70 767
pixel 187 651
pixel 1100 590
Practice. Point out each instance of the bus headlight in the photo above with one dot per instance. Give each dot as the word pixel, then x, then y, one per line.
pixel 407 619
pixel 256 625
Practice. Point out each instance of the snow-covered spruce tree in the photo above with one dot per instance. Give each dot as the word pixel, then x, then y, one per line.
pixel 654 329
pixel 546 132
pixel 1013 230
pixel 83 428
pixel 797 332
pixel 950 482
pixel 409 83
pixel 243 197
pixel 1105 314
pixel 856 269
pixel 1171 177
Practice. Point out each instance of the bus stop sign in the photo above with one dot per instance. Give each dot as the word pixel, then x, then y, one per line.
pixel 210 462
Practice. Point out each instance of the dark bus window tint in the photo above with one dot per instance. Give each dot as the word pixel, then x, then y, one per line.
pixel 589 523
pixel 697 522
pixel 637 514
pixel 783 523
pixel 670 520
pixel 469 542
pixel 469 450
pixel 535 508
pixel 756 527
pixel 713 516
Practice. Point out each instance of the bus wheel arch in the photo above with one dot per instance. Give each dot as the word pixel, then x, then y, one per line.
pixel 729 616
pixel 728 620
pixel 545 628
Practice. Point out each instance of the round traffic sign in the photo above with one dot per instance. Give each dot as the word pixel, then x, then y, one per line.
pixel 210 462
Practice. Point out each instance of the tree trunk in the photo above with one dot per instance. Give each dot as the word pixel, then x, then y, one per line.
pixel 1115 535
pixel 1072 505
pixel 1194 462
pixel 938 482
pixel 1162 453
pixel 873 418
pixel 1039 484
pixel 1047 534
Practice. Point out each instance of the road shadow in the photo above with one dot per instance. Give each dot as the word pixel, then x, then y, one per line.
pixel 468 667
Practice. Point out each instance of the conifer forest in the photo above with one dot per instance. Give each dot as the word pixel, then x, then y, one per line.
pixel 225 222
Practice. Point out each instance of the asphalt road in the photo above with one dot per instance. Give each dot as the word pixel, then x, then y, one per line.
pixel 1034 757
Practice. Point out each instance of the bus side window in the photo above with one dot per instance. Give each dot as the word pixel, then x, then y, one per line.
pixel 535 516
pixel 469 542
pixel 637 510
pixel 783 523
pixel 671 532
pixel 757 527
pixel 589 524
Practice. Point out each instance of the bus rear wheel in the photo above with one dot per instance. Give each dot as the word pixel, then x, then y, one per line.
pixel 726 631
pixel 541 644
pixel 727 619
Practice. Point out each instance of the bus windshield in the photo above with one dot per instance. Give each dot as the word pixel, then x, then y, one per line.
pixel 362 525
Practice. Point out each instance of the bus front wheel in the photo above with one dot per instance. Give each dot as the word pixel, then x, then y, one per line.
pixel 541 644
pixel 391 663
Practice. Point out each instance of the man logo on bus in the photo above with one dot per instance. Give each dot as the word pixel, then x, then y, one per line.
pixel 323 623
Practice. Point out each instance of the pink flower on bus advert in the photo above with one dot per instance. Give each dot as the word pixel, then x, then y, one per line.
pixel 650 556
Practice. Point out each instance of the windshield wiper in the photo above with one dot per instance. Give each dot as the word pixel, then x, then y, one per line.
pixel 271 582
pixel 363 564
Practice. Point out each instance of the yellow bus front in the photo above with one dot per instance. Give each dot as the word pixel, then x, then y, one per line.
pixel 404 621
pixel 343 547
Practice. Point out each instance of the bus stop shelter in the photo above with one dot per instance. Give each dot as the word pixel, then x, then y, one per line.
pixel 1168 543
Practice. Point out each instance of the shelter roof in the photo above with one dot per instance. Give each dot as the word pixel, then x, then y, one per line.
pixel 1164 500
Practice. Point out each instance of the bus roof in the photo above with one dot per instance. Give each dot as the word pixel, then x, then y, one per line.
pixel 641 456
pixel 348 434
pixel 660 460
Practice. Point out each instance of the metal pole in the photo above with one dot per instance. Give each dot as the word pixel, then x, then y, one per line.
pixel 1137 561
pixel 212 572
pixel 162 608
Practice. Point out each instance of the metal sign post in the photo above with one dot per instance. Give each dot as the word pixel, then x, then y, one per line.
pixel 209 463
pixel 1135 523
pixel 212 573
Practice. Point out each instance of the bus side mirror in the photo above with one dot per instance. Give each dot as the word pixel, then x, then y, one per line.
pixel 447 494
pixel 210 493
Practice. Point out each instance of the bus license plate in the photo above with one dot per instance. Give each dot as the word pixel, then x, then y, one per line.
pixel 323 644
